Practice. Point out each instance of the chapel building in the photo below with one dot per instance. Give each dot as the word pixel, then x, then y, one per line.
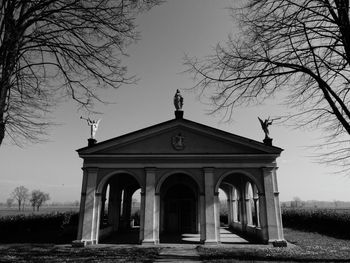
pixel 178 167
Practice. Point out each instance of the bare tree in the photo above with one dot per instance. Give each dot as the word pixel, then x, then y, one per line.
pixel 9 202
pixel 298 51
pixel 20 194
pixel 51 49
pixel 38 198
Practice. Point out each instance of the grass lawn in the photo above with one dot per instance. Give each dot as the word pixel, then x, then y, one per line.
pixel 41 253
pixel 308 247
pixel 305 247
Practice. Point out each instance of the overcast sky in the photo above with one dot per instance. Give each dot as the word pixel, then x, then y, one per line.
pixel 168 32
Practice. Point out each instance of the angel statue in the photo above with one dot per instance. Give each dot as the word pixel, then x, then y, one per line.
pixel 93 126
pixel 178 100
pixel 265 126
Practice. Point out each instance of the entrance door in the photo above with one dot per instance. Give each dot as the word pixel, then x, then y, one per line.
pixel 179 215
pixel 180 210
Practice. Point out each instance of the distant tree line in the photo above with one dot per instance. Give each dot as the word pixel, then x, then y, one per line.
pixel 21 195
pixel 298 203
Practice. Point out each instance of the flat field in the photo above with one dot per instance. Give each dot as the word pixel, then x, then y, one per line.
pixel 4 211
pixel 306 244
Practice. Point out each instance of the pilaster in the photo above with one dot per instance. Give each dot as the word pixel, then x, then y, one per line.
pixel 272 206
pixel 151 209
pixel 211 222
pixel 88 221
pixel 202 209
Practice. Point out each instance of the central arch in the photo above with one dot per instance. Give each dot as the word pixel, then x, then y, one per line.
pixel 179 209
pixel 119 191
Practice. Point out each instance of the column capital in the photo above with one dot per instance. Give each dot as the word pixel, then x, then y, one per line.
pixel 268 170
pixel 150 169
pixel 208 169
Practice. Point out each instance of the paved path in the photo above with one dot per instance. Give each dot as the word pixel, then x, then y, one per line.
pixel 186 254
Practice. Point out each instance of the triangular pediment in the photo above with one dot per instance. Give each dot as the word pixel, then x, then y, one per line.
pixel 179 136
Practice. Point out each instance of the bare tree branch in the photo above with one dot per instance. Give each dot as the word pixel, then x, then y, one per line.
pixel 298 50
pixel 53 48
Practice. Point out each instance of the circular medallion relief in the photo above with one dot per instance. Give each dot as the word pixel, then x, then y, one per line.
pixel 177 142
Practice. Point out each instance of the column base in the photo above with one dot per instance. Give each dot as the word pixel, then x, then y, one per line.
pixel 150 242
pixel 279 243
pixel 83 243
pixel 211 242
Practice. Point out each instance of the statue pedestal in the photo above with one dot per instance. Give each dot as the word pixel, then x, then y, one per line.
pixel 268 141
pixel 91 142
pixel 179 114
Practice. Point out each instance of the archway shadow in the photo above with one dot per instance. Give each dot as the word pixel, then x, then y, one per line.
pixel 130 236
pixel 180 238
pixel 229 236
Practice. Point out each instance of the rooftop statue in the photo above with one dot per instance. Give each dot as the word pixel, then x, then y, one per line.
pixel 178 100
pixel 265 126
pixel 93 126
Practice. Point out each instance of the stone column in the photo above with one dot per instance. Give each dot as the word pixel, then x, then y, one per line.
pixel 162 216
pixel 156 217
pixel 248 211
pixel 273 210
pixel 217 215
pixel 127 202
pixel 229 207
pixel 263 218
pixel 243 207
pixel 97 217
pixel 150 213
pixel 88 220
pixel 142 216
pixel 234 208
pixel 256 211
pixel 202 217
pixel 210 208
pixel 103 207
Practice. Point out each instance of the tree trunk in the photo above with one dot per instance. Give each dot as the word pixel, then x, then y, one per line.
pixel 3 94
pixel 2 131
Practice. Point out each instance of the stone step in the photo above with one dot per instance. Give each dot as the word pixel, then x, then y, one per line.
pixel 178 254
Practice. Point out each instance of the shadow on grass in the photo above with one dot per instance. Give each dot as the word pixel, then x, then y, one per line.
pixel 309 247
pixel 49 253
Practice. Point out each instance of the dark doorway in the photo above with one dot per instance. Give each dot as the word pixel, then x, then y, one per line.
pixel 179 222
pixel 180 210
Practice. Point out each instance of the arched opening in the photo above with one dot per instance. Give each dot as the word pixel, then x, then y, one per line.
pixel 249 203
pixel 179 221
pixel 242 209
pixel 223 207
pixel 120 203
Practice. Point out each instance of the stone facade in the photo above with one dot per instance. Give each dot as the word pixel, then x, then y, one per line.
pixel 179 167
